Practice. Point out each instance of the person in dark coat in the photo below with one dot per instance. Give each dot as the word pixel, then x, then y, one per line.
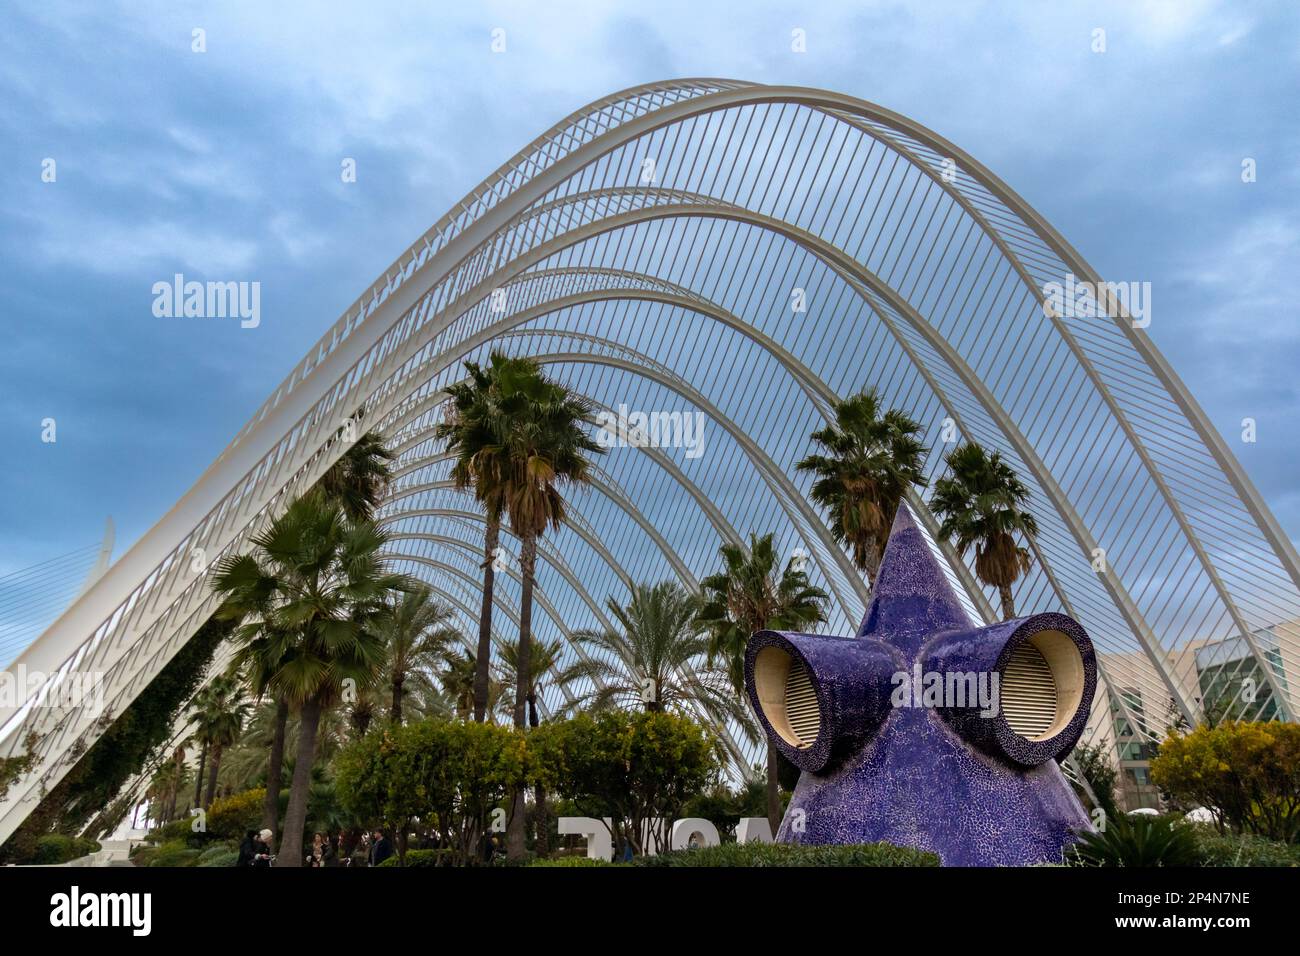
pixel 247 849
pixel 380 849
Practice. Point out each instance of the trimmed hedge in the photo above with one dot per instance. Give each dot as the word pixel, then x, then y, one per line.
pixel 1232 849
pixel 174 853
pixel 422 858
pixel 55 848
pixel 565 862
pixel 793 854
pixel 218 856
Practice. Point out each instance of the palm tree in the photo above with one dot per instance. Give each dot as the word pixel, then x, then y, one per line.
pixel 870 461
pixel 458 675
pixel 543 448
pixel 656 658
pixel 357 481
pixel 544 658
pixel 417 629
pixel 319 586
pixel 748 596
pixel 982 502
pixel 219 712
pixel 473 431
pixel 259 657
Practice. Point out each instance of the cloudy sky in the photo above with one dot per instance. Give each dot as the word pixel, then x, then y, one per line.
pixel 225 164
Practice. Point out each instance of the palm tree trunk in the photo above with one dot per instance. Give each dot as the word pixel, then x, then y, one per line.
pixel 523 665
pixel 773 791
pixel 198 777
pixel 533 720
pixel 289 853
pixel 1008 602
pixel 516 838
pixel 213 766
pixel 396 712
pixel 490 540
pixel 275 770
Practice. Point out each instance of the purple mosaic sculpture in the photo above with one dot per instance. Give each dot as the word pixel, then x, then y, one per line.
pixel 978 785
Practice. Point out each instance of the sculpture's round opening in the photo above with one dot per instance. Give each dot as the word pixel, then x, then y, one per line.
pixel 1042 685
pixel 787 696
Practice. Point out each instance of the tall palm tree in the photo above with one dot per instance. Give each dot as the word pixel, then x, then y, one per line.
pixel 544 449
pixel 869 460
pixel 473 430
pixel 319 587
pixel 259 657
pixel 748 595
pixel 544 658
pixel 982 502
pixel 219 712
pixel 357 481
pixel 417 629
pixel 656 658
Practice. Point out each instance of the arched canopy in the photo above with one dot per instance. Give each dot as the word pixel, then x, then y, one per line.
pixel 739 256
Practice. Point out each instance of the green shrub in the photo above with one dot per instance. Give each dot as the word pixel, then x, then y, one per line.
pixel 174 853
pixel 176 830
pixel 1215 849
pixel 216 850
pixel 218 856
pixel 1136 841
pixel 230 817
pixel 568 861
pixel 793 854
pixel 422 858
pixel 55 848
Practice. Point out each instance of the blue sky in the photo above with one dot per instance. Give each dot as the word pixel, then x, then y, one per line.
pixel 225 164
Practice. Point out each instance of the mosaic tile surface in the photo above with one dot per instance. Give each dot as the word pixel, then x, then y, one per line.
pixel 942 779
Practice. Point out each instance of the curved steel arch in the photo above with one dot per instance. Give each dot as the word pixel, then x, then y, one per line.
pixel 820 395
pixel 1195 525
pixel 867 283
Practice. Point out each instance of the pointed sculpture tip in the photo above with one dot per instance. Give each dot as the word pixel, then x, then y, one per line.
pixel 910 587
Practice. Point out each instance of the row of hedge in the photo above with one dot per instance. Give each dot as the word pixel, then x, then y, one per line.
pixel 767 854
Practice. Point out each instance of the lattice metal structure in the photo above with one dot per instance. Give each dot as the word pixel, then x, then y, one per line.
pixel 749 253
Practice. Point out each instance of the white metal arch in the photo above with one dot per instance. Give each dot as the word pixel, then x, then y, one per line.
pixel 1193 524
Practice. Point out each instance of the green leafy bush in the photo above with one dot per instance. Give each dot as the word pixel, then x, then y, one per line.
pixel 1140 841
pixel 639 768
pixel 217 856
pixel 216 851
pixel 178 830
pixel 565 862
pixel 174 853
pixel 55 848
pixel 424 858
pixel 449 771
pixel 793 854
pixel 230 817
pixel 1231 849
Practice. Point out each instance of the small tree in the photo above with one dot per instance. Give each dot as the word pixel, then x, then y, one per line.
pixel 1247 772
pixel 637 768
pixel 443 777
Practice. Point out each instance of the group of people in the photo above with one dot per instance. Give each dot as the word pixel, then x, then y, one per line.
pixel 327 850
